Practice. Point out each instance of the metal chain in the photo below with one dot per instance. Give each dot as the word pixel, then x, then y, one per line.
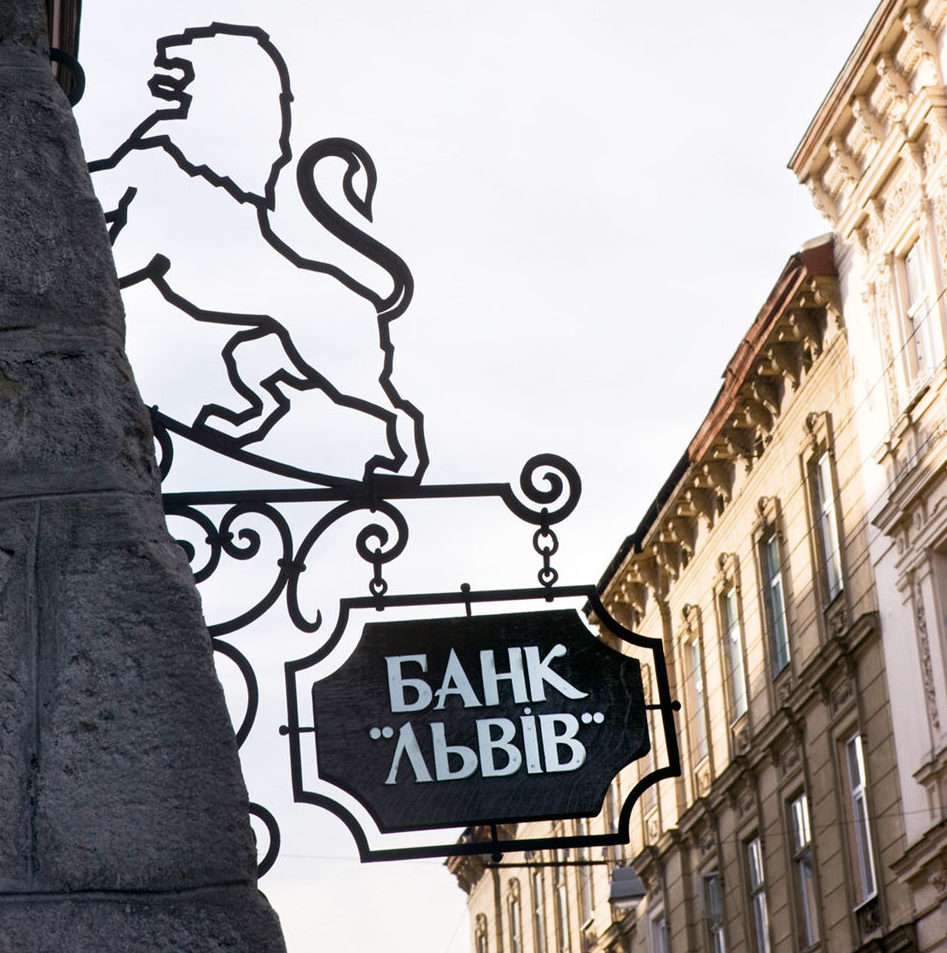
pixel 546 543
pixel 377 586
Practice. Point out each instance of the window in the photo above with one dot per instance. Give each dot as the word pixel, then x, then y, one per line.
pixel 516 918
pixel 757 882
pixel 586 897
pixel 480 934
pixel 561 900
pixel 539 912
pixel 861 831
pixel 698 718
pixel 658 934
pixel 733 643
pixel 805 878
pixel 831 551
pixel 775 602
pixel 917 303
pixel 712 902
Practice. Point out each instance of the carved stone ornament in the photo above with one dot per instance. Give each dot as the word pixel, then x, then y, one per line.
pixel 837 620
pixel 867 121
pixel 703 780
pixel 784 689
pixel 822 199
pixel 707 842
pixel 896 88
pixel 880 311
pixel 790 760
pixel 842 697
pixel 938 879
pixel 907 189
pixel 653 828
pixel 745 803
pixel 924 648
pixel 933 147
pixel 940 217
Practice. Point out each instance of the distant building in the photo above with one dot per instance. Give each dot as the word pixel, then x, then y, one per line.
pixel 752 567
pixel 795 565
pixel 875 159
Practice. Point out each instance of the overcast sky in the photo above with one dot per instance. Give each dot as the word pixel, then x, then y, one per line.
pixel 594 205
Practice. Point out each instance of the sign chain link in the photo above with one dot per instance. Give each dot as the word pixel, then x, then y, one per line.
pixel 546 543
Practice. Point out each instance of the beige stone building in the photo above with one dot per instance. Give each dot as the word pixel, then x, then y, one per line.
pixel 752 567
pixel 795 566
pixel 875 159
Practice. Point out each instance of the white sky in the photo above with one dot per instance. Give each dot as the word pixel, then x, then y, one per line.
pixel 594 204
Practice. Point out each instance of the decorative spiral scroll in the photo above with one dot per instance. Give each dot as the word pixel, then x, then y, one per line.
pixel 242 544
pixel 272 829
pixel 249 678
pixel 164 442
pixel 556 499
pixel 376 555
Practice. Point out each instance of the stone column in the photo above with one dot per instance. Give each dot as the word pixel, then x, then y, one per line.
pixel 123 813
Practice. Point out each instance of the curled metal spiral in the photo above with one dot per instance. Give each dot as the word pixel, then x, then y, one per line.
pixel 242 544
pixel 387 546
pixel 272 830
pixel 550 482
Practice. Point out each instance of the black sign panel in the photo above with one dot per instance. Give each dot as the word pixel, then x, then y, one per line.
pixel 485 719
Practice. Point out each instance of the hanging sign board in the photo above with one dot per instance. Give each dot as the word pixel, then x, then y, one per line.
pixel 469 720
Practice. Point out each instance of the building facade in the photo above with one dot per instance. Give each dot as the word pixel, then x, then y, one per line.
pixel 795 567
pixel 752 567
pixel 875 159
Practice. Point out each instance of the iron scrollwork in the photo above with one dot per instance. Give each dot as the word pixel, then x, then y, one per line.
pixel 229 525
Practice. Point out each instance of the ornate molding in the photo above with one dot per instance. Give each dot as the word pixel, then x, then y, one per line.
pixel 924 649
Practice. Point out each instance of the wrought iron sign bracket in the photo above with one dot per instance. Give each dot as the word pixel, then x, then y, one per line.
pixel 570 695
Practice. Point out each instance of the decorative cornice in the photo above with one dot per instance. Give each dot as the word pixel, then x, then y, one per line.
pixel 779 349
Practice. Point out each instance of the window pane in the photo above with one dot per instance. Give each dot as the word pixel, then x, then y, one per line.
pixel 805 877
pixel 734 643
pixel 539 912
pixel 828 527
pixel 777 605
pixel 918 306
pixel 699 719
pixel 861 828
pixel 754 863
pixel 658 935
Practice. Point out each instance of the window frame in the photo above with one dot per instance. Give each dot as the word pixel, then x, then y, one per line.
pixel 914 336
pixel 586 888
pixel 824 501
pixel 773 579
pixel 696 685
pixel 828 529
pixel 560 897
pixel 658 932
pixel 515 916
pixel 862 841
pixel 540 938
pixel 731 637
pixel 481 934
pixel 755 866
pixel 712 910
pixel 805 887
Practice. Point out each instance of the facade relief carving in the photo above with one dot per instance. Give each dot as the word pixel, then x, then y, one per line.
pixel 924 650
pixel 921 49
pixel 904 192
pixel 867 122
pixel 894 88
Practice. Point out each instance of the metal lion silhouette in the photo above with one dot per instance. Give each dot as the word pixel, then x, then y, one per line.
pixel 332 332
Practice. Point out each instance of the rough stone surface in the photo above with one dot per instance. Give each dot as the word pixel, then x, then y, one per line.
pixel 210 921
pixel 123 814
